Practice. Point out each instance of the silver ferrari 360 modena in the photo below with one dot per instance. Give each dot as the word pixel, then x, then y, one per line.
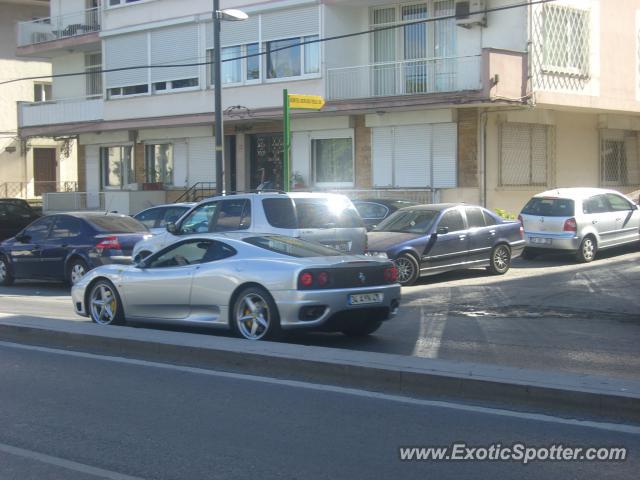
pixel 256 285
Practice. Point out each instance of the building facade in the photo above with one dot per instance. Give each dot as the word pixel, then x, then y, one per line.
pixel 485 108
pixel 31 166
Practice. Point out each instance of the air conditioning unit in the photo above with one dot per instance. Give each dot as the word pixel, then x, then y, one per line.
pixel 465 16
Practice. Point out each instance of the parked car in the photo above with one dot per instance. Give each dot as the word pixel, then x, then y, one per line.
pixel 430 239
pixel 66 246
pixel 373 211
pixel 156 218
pixel 253 284
pixel 579 220
pixel 326 218
pixel 14 216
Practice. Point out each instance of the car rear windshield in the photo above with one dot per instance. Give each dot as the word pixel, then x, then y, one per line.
pixel 292 247
pixel 549 207
pixel 311 213
pixel 408 221
pixel 113 224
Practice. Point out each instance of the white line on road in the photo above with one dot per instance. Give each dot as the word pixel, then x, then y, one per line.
pixel 68 464
pixel 613 427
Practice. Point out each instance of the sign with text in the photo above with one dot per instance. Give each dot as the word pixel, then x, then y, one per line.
pixel 306 102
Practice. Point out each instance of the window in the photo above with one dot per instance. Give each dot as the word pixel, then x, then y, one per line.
pixel 117 167
pixel 489 219
pixel 192 252
pixel 280 212
pixel 595 204
pixel 565 40
pixel 370 210
pixel 332 160
pixel 93 77
pixel 549 207
pixel 199 219
pixel 475 218
pixel 408 221
pixel 159 163
pixel 162 87
pixel 38 230
pixel 149 217
pixel 617 203
pixel 452 220
pixel 293 247
pixel 116 224
pixel 235 70
pixel 233 215
pixel 525 151
pixel 286 58
pixel 172 215
pixel 42 92
pixel 113 3
pixel 128 91
pixel 66 227
pixel 619 158
pixel 325 212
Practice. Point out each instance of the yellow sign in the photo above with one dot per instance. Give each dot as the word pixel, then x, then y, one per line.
pixel 306 102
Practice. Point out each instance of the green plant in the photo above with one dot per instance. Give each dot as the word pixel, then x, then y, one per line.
pixel 506 215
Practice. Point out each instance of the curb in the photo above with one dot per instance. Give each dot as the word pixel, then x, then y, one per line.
pixel 558 394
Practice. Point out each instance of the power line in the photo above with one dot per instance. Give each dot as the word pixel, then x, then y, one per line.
pixel 306 42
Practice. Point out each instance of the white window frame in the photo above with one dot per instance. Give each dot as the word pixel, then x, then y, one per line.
pixel 567 70
pixel 302 76
pixel 123 3
pixel 42 86
pixel 153 143
pixel 171 89
pixel 117 96
pixel 243 67
pixel 98 73
pixel 330 135
pixel 124 185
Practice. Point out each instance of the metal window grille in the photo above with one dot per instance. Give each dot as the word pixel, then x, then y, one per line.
pixel 525 154
pixel 93 78
pixel 619 159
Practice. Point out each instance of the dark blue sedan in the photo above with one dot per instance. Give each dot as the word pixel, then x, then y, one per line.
pixel 429 239
pixel 66 246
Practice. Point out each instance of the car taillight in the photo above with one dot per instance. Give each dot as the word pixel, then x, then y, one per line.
pixel 305 279
pixel 322 279
pixel 391 274
pixel 109 243
pixel 570 225
pixel 521 220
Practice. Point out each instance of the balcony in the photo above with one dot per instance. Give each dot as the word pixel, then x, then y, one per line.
pixel 407 77
pixel 60 111
pixel 57 28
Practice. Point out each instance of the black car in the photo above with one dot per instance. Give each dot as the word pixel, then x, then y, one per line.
pixel 374 210
pixel 15 214
pixel 430 239
pixel 66 246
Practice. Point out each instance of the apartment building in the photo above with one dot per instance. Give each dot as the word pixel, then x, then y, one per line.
pixel 28 166
pixel 484 108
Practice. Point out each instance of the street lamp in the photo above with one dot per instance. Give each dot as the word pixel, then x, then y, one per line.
pixel 219 16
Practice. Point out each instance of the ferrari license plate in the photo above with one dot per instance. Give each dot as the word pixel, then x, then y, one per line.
pixel 365 298
pixel 541 241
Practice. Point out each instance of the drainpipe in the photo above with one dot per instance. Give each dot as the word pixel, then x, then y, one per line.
pixel 483 157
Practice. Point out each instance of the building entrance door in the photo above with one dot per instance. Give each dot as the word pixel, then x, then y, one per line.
pixel 266 160
pixel 44 170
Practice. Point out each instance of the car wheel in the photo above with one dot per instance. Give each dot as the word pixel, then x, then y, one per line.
pixel 500 261
pixel 361 328
pixel 255 315
pixel 76 270
pixel 408 269
pixel 6 278
pixel 529 254
pixel 587 251
pixel 105 306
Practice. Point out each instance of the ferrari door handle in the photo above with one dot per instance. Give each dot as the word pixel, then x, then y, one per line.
pixel 594 221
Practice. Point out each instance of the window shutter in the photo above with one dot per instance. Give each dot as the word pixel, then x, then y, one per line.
pixel 515 154
pixel 411 154
pixel 202 164
pixel 92 159
pixel 126 51
pixel 444 155
pixel 539 154
pixel 382 156
pixel 174 45
pixel 277 25
pixel 180 164
pixel 234 33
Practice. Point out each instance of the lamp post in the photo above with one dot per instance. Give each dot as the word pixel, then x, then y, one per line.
pixel 218 17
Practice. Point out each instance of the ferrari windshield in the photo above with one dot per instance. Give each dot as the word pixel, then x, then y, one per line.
pixel 293 247
pixel 408 221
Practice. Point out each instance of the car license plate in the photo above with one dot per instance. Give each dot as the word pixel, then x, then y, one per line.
pixel 541 241
pixel 365 298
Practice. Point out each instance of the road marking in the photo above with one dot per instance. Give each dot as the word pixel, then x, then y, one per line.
pixel 613 427
pixel 68 464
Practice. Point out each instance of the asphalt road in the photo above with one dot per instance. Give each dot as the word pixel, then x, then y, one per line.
pixel 549 314
pixel 71 416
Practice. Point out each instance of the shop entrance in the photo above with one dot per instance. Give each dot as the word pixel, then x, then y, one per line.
pixel 266 160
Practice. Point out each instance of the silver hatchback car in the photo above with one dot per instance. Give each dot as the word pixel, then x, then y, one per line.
pixel 579 220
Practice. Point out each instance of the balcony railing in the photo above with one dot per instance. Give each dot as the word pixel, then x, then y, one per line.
pixel 60 111
pixel 407 77
pixel 35 188
pixel 55 28
pixel 72 201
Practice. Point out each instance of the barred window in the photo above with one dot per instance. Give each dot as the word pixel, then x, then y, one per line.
pixel 93 77
pixel 619 159
pixel 525 150
pixel 565 40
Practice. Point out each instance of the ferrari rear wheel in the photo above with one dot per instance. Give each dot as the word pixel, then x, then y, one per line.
pixel 255 315
pixel 104 305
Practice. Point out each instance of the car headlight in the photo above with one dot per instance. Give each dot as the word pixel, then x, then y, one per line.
pixel 377 254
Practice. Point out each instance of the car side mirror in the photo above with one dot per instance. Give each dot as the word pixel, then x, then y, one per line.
pixel 442 230
pixel 635 207
pixel 172 228
pixel 140 262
